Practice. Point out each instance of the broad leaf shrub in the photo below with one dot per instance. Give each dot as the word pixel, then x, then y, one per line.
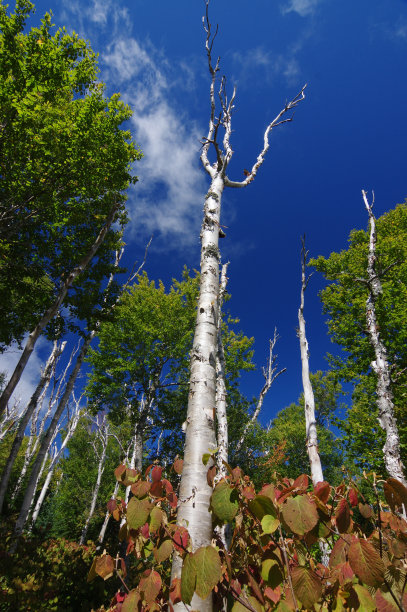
pixel 273 561
pixel 48 574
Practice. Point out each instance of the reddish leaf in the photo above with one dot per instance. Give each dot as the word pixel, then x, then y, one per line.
pixel 307 586
pixel 138 511
pixel 156 473
pixel 300 514
pixel 173 500
pixel 399 489
pixel 249 492
pixel 366 562
pixel 301 482
pixel 167 486
pixel 269 491
pixel 323 491
pixel 353 497
pixel 150 585
pixel 123 567
pixel 129 477
pixel 236 474
pixel 180 537
pixel 175 590
pixel 210 475
pixel 111 505
pixel 104 566
pixel 141 488
pixel 145 531
pixel 255 587
pixel 157 489
pixel 273 594
pixel 365 510
pixel 119 471
pixel 342 516
pixel 208 570
pixel 343 573
pixel 385 602
pixel 338 553
pixel 178 465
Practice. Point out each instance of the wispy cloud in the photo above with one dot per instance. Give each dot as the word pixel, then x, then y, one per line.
pixel 302 7
pixel 249 63
pixel 168 198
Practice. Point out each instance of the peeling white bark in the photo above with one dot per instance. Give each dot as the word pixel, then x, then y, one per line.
pixel 386 418
pixel 309 401
pixel 200 434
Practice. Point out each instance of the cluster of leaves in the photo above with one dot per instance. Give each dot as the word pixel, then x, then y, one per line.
pixel 273 560
pixel 53 578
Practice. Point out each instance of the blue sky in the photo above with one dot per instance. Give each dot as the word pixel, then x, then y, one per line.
pixel 349 134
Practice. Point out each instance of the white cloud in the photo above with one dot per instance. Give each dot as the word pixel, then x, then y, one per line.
pixel 169 195
pixel 302 7
pixel 250 62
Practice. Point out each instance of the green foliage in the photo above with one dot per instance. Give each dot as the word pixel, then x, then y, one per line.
pixel 344 301
pixel 277 567
pixel 48 574
pixel 64 161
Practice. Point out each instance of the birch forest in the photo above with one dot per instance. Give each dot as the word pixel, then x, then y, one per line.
pixel 151 467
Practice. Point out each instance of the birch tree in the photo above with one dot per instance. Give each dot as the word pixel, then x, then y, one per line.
pixel 43 382
pixel 200 434
pixel 221 405
pixel 309 400
pixel 380 365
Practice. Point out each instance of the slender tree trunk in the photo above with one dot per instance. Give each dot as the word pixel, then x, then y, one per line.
pixel 102 532
pixel 309 401
pixel 53 309
pixel 103 435
pixel 386 418
pixel 45 377
pixel 45 443
pixel 54 463
pixel 221 393
pixel 270 374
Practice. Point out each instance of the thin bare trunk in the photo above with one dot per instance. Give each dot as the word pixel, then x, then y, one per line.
pixel 102 532
pixel 387 419
pixel 309 401
pixel 270 373
pixel 103 436
pixel 195 492
pixel 53 310
pixel 45 444
pixel 9 419
pixel 221 394
pixel 57 455
pixel 45 377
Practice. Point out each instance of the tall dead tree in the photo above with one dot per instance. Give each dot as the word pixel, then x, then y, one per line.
pixel 270 373
pixel 309 400
pixel 200 434
pixel 221 404
pixel 386 417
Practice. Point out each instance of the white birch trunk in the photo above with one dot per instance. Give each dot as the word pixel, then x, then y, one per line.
pixel 386 418
pixel 46 375
pixel 102 532
pixel 195 492
pixel 9 419
pixel 309 401
pixel 54 463
pixel 45 443
pixel 221 394
pixel 103 435
pixel 53 309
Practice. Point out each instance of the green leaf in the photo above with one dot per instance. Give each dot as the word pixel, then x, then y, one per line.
pixel 156 518
pixel 164 551
pixel 300 514
pixel 366 602
pixel 138 512
pixel 224 501
pixel 131 602
pixel 208 570
pixel 188 578
pixel 271 572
